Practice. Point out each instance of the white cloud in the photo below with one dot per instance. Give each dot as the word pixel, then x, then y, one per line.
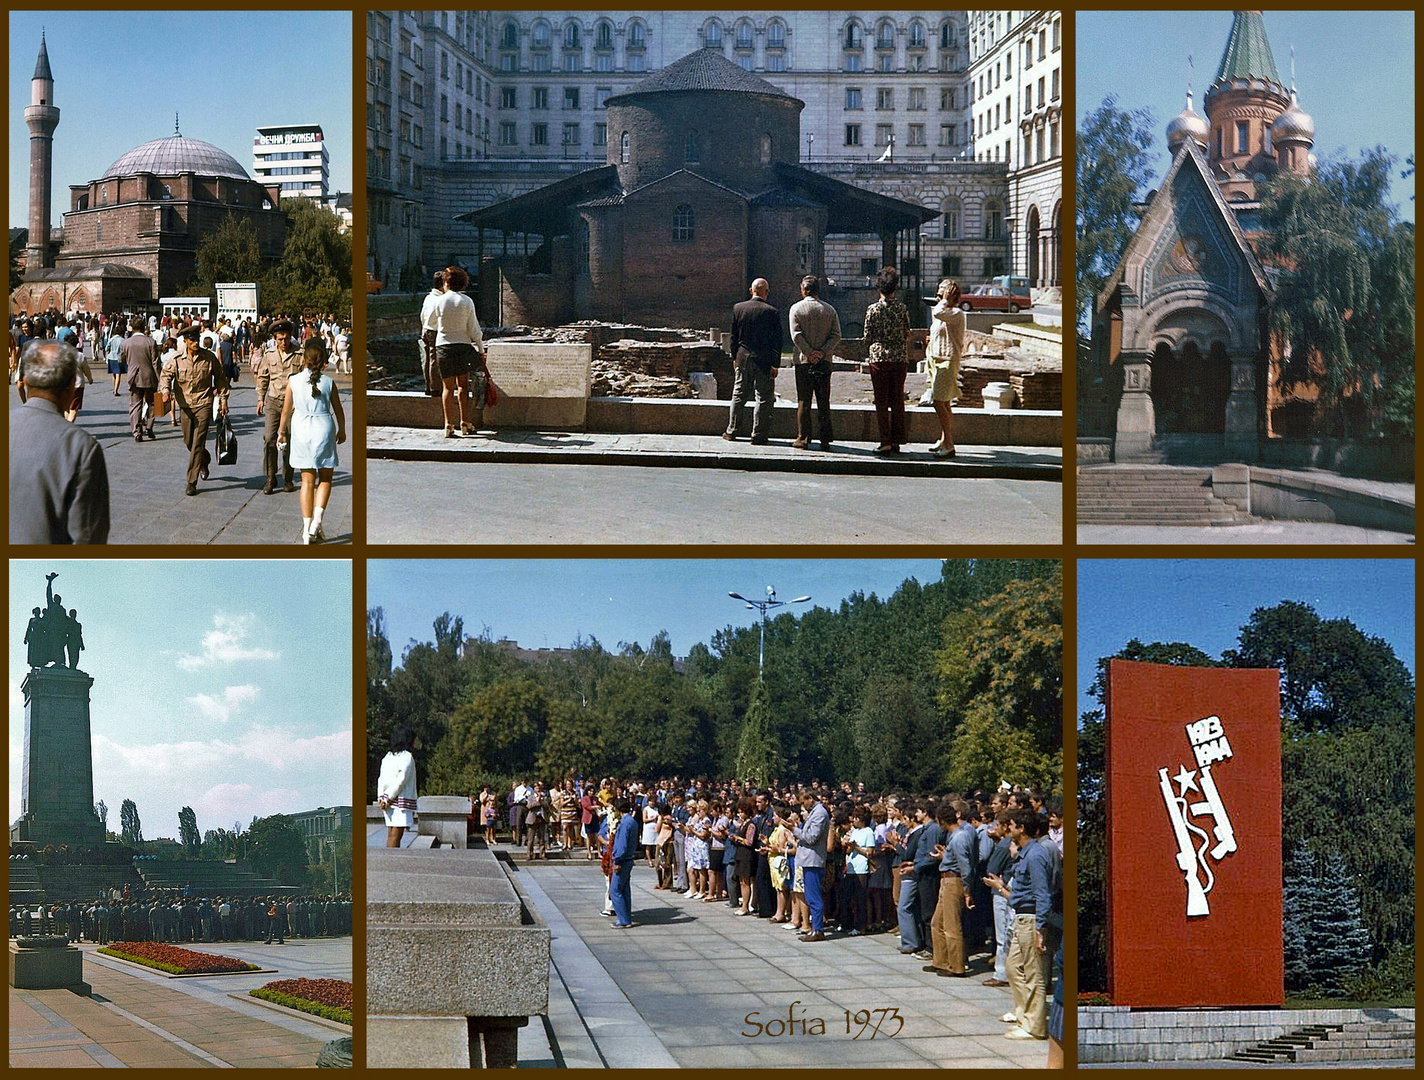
pixel 274 747
pixel 231 701
pixel 224 804
pixel 225 644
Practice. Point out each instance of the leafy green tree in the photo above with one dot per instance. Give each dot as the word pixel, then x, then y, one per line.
pixel 378 647
pixel 315 269
pixel 188 834
pixel 278 850
pixel 1114 168
pixel 758 756
pixel 894 714
pixel 499 731
pixel 130 829
pixel 230 252
pixel 573 742
pixel 1344 305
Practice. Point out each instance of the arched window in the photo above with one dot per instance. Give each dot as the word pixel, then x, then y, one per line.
pixel 714 34
pixel 104 195
pixel 852 37
pixel 764 148
pixel 684 224
pixel 636 35
pixel 885 35
pixel 692 151
pixel 571 35
pixel 509 36
pixel 604 38
pixel 951 219
pixel 626 149
pixel 947 36
pixel 744 34
pixel 776 34
pixel 917 35
pixel 541 35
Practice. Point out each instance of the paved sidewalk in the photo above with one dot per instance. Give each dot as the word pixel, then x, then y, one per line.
pixel 679 986
pixel 711 452
pixel 146 480
pixel 1260 532
pixel 140 1020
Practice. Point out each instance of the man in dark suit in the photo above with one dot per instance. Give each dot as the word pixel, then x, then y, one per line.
pixel 59 484
pixel 756 351
pixel 141 355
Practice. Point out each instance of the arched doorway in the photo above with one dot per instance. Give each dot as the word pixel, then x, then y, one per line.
pixel 1189 389
pixel 1055 246
pixel 1034 263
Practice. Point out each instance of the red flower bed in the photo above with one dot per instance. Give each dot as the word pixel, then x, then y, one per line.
pixel 333 992
pixel 178 961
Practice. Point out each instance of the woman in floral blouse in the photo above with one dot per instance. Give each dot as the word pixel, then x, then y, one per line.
pixel 887 337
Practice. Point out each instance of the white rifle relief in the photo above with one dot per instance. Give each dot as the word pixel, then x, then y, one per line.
pixel 1186 853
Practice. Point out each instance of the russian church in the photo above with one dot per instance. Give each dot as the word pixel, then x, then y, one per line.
pixel 1179 331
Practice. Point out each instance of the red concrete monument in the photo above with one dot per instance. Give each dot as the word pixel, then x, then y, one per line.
pixel 1193 836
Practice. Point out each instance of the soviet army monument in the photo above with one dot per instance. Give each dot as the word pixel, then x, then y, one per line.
pixel 57 789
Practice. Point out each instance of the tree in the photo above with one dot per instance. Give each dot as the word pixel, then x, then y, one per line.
pixel 758 756
pixel 230 252
pixel 499 732
pixel 1326 942
pixel 188 834
pixel 1344 305
pixel 278 850
pixel 1114 167
pixel 130 828
pixel 101 811
pixel 378 647
pixel 315 269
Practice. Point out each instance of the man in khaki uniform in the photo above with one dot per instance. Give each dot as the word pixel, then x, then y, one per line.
pixel 194 378
pixel 278 361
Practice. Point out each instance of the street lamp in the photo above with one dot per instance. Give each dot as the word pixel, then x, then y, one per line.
pixel 764 606
pixel 332 841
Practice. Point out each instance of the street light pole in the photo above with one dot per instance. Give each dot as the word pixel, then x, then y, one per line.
pixel 764 606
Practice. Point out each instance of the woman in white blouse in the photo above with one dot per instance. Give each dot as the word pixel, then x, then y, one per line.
pixel 946 349
pixel 395 789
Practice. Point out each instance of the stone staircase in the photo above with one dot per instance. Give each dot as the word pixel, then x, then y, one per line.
pixel 25 887
pixel 1364 1040
pixel 1152 495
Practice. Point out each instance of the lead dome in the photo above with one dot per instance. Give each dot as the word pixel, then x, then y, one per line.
pixel 177 154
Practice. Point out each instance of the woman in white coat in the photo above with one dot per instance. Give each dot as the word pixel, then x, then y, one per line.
pixel 395 789
pixel 946 349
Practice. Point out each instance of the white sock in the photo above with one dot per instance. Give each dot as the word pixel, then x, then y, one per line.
pixel 306 526
pixel 316 517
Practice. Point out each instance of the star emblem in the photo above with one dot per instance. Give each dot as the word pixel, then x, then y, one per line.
pixel 1186 781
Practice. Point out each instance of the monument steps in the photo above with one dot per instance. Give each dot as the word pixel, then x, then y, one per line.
pixel 1354 1041
pixel 1145 495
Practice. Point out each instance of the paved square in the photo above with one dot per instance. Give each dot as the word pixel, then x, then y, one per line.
pixel 688 984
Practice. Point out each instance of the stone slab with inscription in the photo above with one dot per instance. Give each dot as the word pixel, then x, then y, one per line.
pixel 540 383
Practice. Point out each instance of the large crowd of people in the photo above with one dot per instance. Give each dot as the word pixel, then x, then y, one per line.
pixel 180 367
pixel 971 883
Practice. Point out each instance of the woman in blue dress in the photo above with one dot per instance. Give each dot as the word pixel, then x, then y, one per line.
pixel 312 415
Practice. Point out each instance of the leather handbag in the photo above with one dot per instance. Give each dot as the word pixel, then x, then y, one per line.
pixel 226 441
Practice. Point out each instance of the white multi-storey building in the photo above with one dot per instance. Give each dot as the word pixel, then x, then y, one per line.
pixel 468 108
pixel 294 156
pixel 1015 83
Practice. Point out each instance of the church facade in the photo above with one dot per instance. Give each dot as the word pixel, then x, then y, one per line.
pixel 131 236
pixel 1181 355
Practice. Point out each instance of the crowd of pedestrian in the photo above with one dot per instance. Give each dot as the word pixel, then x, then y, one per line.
pixel 180 367
pixel 970 883
pixel 167 915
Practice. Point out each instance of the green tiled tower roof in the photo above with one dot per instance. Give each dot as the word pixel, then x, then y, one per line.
pixel 1248 52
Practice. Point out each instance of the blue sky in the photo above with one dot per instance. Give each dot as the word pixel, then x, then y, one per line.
pixel 1354 72
pixel 119 77
pixel 547 603
pixel 1205 602
pixel 221 685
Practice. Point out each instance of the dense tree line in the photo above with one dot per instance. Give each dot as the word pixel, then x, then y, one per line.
pixel 1347 772
pixel 947 685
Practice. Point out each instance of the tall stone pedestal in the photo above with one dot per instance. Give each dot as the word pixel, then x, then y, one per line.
pixel 57 784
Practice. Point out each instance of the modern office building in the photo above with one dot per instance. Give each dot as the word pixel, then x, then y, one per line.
pixel 294 157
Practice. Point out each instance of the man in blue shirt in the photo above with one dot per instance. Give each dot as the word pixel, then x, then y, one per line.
pixel 956 870
pixel 811 839
pixel 908 907
pixel 625 853
pixel 1031 901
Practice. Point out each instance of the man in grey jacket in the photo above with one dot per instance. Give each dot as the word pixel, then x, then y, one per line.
pixel 815 333
pixel 811 858
pixel 59 484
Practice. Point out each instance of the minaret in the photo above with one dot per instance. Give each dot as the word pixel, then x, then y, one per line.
pixel 42 118
pixel 1241 103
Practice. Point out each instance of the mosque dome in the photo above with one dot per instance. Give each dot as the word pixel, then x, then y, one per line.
pixel 1188 124
pixel 177 154
pixel 1294 123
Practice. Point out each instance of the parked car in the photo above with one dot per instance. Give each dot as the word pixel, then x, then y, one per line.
pixel 1018 288
pixel 990 298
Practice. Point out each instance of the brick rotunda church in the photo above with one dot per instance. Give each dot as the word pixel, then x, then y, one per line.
pixel 703 192
pixel 1188 371
pixel 131 236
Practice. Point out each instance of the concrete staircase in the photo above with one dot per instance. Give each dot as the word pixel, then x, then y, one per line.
pixel 1152 495
pixel 25 887
pixel 1366 1040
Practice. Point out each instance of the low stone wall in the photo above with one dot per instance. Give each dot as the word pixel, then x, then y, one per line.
pixel 1116 1033
pixel 1288 496
pixel 1380 459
